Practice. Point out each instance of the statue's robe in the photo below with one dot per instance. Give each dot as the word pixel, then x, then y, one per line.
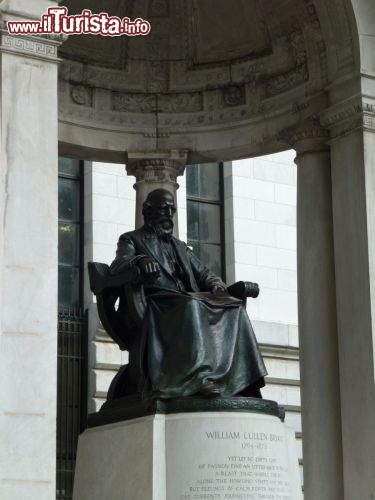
pixel 190 337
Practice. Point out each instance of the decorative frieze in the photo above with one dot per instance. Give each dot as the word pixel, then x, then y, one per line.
pixel 298 75
pixel 181 103
pixel 137 112
pixel 146 103
pixel 356 112
pixel 40 47
pixel 287 81
pixel 133 103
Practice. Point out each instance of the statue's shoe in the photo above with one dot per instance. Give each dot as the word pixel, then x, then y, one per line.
pixel 209 389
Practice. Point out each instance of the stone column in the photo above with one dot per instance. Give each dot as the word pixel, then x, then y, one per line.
pixel 320 390
pixel 352 126
pixel 28 259
pixel 153 170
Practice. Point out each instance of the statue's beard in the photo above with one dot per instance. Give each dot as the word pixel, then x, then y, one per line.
pixel 163 228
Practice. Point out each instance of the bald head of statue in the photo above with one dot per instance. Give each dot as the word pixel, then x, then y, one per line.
pixel 158 211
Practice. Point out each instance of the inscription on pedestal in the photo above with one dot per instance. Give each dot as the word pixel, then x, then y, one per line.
pixel 231 461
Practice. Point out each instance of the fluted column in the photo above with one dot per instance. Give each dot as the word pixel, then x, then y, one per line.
pixel 320 389
pixel 352 126
pixel 153 170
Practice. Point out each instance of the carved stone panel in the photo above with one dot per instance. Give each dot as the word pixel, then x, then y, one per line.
pixel 137 103
pixel 81 95
pixel 234 96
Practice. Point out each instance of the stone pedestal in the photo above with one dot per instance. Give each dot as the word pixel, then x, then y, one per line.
pixel 189 456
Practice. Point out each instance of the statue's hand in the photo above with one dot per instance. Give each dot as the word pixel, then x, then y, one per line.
pixel 217 288
pixel 150 269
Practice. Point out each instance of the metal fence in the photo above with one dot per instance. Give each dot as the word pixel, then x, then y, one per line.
pixel 71 395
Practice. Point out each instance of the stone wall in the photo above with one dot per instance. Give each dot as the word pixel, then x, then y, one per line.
pixel 109 211
pixel 261 236
pixel 260 230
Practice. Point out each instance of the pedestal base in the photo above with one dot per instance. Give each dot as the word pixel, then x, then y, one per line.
pixel 189 456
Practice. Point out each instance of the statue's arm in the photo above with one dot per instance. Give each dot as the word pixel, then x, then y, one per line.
pixel 207 281
pixel 127 257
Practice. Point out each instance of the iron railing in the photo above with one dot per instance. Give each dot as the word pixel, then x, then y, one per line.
pixel 71 395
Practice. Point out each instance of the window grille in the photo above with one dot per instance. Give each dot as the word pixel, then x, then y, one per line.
pixel 71 395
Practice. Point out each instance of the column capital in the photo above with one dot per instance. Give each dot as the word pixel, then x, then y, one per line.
pixel 156 166
pixel 306 138
pixel 153 170
pixel 357 112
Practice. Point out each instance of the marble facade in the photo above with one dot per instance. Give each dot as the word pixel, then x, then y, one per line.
pixel 28 263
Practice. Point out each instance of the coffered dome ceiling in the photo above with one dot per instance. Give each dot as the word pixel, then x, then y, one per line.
pixel 206 66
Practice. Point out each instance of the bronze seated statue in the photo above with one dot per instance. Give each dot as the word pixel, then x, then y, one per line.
pixel 186 332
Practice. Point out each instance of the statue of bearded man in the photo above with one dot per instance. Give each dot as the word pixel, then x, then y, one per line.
pixel 197 339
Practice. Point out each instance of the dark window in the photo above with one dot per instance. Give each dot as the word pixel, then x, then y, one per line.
pixel 205 214
pixel 70 233
pixel 72 326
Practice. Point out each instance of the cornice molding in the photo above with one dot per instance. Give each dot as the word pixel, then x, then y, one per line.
pixel 43 47
pixel 357 112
